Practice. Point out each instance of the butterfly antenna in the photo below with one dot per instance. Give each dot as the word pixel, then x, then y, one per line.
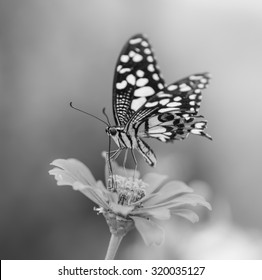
pixel 71 105
pixel 105 114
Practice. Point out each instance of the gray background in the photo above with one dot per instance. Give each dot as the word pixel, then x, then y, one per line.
pixel 54 52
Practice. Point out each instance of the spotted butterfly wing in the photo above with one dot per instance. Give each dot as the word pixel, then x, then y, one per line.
pixel 172 113
pixel 137 78
pixel 144 106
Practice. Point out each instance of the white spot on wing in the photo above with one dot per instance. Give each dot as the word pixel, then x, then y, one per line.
pixel 160 86
pixel 150 58
pixel 124 58
pixel 151 104
pixel 174 104
pixel 147 51
pixel 157 129
pixel 124 70
pixel 194 78
pixel 200 86
pixel 137 57
pixel 162 94
pixel 144 91
pixel 163 110
pixel 199 125
pixel 184 87
pixel 131 79
pixel 172 87
pixel 177 98
pixel 132 53
pixel 161 137
pixel 155 77
pixel 192 96
pixel 137 103
pixel 141 82
pixel 135 41
pixel 195 131
pixel 151 68
pixel 140 73
pixel 164 101
pixel 144 44
pixel 121 85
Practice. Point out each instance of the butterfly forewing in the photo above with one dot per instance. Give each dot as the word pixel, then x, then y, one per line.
pixel 137 78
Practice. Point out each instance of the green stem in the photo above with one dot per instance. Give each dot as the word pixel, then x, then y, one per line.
pixel 114 243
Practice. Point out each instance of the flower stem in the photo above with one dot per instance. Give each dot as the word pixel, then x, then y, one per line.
pixel 114 243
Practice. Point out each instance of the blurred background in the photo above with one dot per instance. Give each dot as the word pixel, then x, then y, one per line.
pixel 54 52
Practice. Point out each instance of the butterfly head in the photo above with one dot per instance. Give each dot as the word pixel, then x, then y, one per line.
pixel 111 131
pixel 117 132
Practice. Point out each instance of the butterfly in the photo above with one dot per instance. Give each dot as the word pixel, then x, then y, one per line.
pixel 145 107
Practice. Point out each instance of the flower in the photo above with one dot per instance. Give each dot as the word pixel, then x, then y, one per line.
pixel 127 201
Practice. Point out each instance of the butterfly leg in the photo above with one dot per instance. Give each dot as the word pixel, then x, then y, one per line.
pixel 112 155
pixel 134 158
pixel 125 158
pixel 115 154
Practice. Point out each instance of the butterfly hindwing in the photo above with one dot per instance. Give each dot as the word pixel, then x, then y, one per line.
pixel 137 78
pixel 169 126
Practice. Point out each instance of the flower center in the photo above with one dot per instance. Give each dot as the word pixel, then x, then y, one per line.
pixel 129 190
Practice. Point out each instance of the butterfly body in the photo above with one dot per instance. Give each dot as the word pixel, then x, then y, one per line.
pixel 121 137
pixel 130 140
pixel 145 107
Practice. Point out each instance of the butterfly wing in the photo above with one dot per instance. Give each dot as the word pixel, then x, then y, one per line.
pixel 137 78
pixel 172 114
pixel 168 127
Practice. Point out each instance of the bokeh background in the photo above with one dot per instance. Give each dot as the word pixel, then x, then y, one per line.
pixel 54 52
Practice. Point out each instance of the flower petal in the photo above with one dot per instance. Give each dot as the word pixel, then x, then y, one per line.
pixel 72 170
pixel 160 213
pixel 187 214
pixel 168 191
pixel 154 181
pixel 118 170
pixel 190 199
pixel 62 178
pixel 151 232
pixel 74 173
pixel 173 205
pixel 95 194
